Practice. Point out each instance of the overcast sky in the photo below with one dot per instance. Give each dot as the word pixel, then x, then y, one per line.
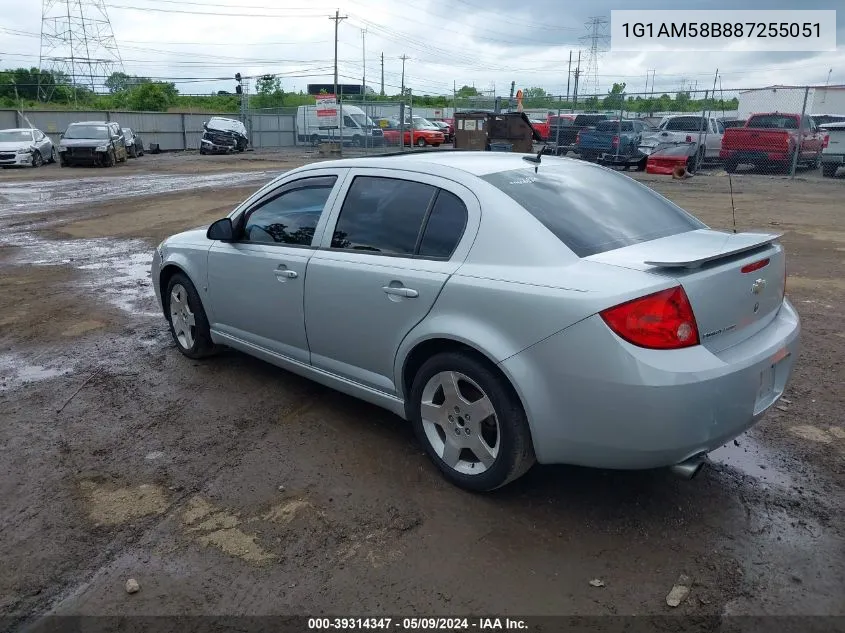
pixel 475 42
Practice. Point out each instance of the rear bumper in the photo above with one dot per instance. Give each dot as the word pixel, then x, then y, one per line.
pixel 754 156
pixel 595 400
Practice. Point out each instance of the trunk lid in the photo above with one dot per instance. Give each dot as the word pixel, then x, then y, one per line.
pixel 729 304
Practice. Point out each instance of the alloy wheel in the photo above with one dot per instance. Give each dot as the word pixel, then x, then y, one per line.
pixel 181 317
pixel 460 422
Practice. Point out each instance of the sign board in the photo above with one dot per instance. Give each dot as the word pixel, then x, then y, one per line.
pixel 327 111
pixel 438 114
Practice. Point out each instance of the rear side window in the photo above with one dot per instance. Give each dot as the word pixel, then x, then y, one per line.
pixel 593 210
pixel 445 226
pixel 400 217
pixel 382 215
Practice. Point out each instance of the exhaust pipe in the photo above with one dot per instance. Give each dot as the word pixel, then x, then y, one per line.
pixel 689 468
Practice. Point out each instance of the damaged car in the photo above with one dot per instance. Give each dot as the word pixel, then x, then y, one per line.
pixel 223 136
pixel 98 143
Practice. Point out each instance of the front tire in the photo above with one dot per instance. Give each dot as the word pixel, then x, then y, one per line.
pixel 421 142
pixel 37 159
pixel 470 422
pixel 188 322
pixel 133 153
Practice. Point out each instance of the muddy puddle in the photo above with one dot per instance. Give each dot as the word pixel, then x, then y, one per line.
pixel 747 456
pixel 17 370
pixel 36 195
pixel 117 271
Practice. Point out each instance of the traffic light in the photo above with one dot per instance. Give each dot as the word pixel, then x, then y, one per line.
pixel 238 89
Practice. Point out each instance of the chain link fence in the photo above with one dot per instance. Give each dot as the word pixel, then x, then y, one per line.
pixel 784 136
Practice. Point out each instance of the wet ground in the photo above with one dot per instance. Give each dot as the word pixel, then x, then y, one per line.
pixel 231 487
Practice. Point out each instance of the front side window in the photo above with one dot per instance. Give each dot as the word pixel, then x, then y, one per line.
pixel 382 215
pixel 291 217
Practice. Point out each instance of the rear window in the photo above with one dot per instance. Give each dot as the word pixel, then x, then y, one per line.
pixel 686 124
pixel 613 126
pixel 593 210
pixel 589 119
pixel 774 121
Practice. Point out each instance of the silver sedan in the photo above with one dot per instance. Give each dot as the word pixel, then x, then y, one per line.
pixel 513 308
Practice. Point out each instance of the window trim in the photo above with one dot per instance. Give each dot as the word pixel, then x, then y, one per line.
pixel 241 219
pixel 423 226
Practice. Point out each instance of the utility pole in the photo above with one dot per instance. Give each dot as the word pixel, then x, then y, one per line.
pixel 403 58
pixel 382 74
pixel 577 74
pixel 568 77
pixel 337 19
pixel 454 97
pixel 364 59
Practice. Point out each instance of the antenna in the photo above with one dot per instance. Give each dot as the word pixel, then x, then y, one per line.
pixel 730 180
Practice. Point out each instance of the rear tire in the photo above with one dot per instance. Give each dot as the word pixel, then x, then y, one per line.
pixel 54 155
pixel 481 411
pixel 829 169
pixel 186 316
pixel 730 165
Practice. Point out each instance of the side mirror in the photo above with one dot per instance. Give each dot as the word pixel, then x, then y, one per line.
pixel 221 230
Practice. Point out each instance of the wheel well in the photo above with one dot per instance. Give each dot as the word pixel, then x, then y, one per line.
pixel 164 278
pixel 425 350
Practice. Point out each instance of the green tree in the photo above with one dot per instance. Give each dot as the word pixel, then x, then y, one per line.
pixel 613 100
pixel 466 91
pixel 152 96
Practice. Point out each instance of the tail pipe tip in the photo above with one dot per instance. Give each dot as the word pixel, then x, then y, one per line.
pixel 690 467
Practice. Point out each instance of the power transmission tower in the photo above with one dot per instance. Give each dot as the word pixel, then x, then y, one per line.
pixel 403 58
pixel 337 20
pixel 597 38
pixel 77 44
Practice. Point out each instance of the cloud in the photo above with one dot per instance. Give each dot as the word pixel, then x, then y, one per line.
pixel 482 42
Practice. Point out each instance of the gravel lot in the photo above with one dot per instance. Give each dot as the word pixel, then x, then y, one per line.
pixel 232 487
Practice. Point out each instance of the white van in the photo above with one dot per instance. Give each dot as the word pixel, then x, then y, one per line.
pixel 357 129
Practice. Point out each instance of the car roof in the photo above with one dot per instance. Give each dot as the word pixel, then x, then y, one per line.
pixel 92 123
pixel 475 163
pixel 18 129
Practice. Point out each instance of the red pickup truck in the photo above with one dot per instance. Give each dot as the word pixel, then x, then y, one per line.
pixel 772 139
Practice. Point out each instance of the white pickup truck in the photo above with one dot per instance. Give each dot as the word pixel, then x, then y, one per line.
pixel 686 128
pixel 833 153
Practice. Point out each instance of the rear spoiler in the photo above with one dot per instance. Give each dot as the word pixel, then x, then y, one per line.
pixel 735 243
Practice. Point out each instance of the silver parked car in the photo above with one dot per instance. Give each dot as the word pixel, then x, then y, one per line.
pixel 26 147
pixel 511 310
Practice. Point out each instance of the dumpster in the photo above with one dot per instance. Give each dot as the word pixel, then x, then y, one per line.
pixel 481 130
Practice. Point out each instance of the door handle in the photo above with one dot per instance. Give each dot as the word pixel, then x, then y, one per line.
pixel 401 291
pixel 283 271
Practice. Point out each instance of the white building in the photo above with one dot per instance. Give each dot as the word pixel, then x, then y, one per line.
pixel 820 100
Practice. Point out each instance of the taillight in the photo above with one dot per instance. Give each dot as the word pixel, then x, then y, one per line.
pixel 663 320
pixel 750 268
pixel 826 140
pixel 578 138
pixel 615 141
